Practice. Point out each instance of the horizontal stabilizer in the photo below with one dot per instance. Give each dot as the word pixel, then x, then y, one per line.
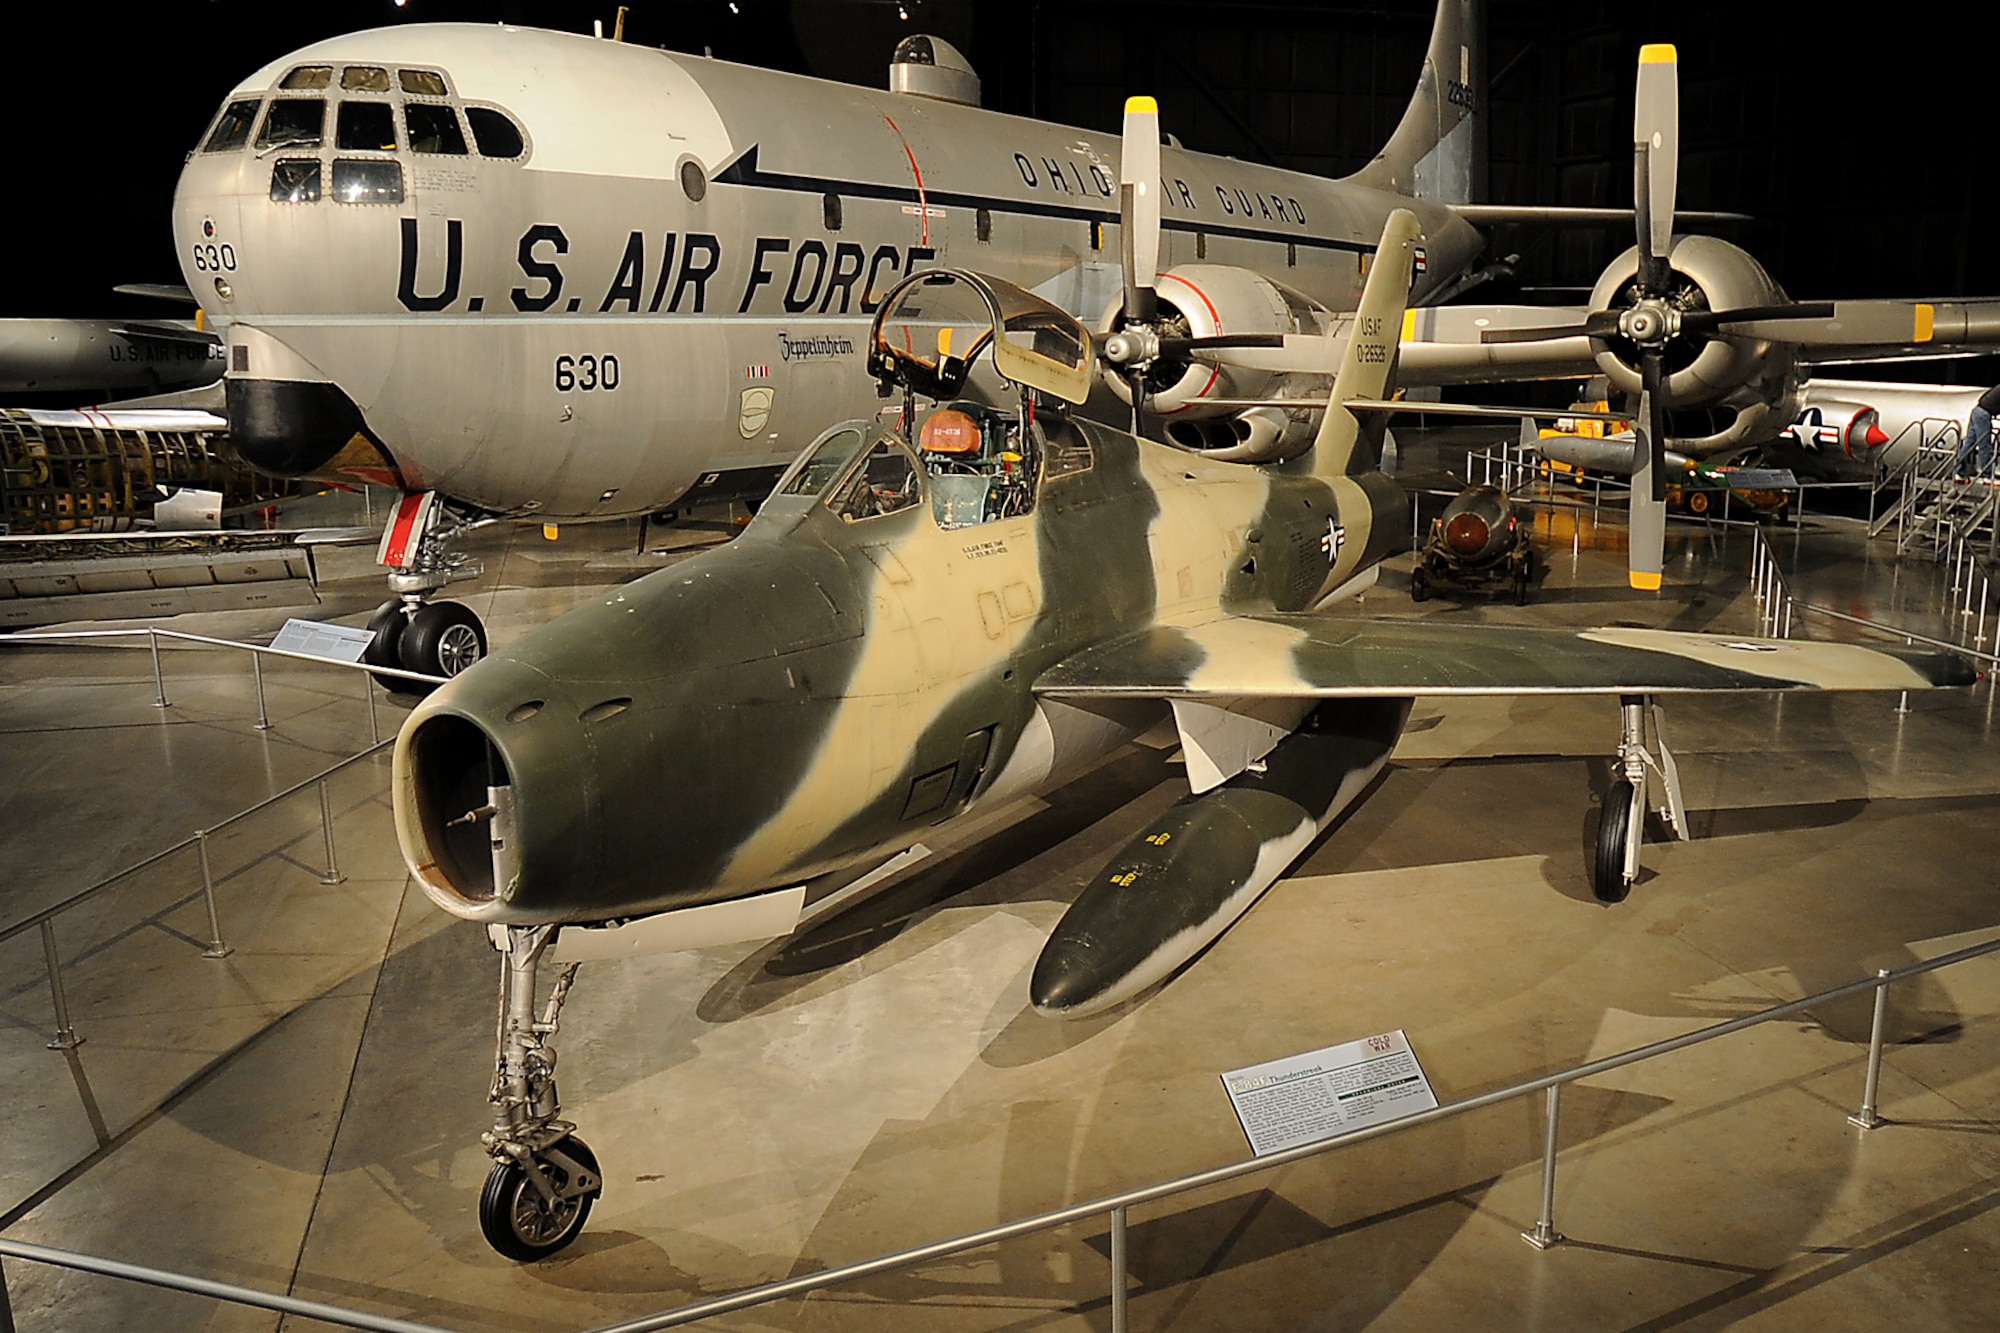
pixel 1306 656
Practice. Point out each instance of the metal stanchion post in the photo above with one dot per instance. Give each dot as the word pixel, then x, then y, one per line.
pixel 216 948
pixel 263 716
pixel 1118 1299
pixel 6 1306
pixel 159 681
pixel 332 875
pixel 1545 1234
pixel 1866 1118
pixel 368 693
pixel 66 1038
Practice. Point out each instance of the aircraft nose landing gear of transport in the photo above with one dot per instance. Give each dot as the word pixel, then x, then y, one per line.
pixel 1622 825
pixel 544 1179
pixel 412 632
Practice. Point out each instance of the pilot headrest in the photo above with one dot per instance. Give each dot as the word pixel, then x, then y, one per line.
pixel 949 431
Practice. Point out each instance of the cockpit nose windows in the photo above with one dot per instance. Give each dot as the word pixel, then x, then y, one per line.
pixel 367 181
pixel 369 126
pixel 365 79
pixel 295 181
pixel 307 78
pixel 496 135
pixel 232 128
pixel 294 121
pixel 422 82
pixel 433 128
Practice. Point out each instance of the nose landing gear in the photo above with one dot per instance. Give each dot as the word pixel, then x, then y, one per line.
pixel 412 632
pixel 544 1179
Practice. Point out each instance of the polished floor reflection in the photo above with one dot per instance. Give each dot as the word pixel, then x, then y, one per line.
pixel 303 1115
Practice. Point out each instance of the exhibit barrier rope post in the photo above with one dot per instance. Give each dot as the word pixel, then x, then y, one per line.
pixel 332 875
pixel 1866 1118
pixel 159 681
pixel 1118 1295
pixel 1545 1234
pixel 216 948
pixel 368 694
pixel 66 1038
pixel 6 1306
pixel 263 716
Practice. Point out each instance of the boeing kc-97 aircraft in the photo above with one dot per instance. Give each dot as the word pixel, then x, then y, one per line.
pixel 526 273
pixel 546 275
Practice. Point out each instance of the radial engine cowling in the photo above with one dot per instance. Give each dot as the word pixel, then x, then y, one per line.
pixel 1203 301
pixel 1709 274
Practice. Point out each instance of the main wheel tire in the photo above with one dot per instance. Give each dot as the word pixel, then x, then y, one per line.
pixel 1420 585
pixel 1521 586
pixel 523 1226
pixel 1614 821
pixel 388 624
pixel 443 639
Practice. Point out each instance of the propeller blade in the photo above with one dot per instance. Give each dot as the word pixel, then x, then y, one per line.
pixel 1654 413
pixel 1709 321
pixel 1139 205
pixel 1648 511
pixel 1656 142
pixel 1220 341
pixel 1598 324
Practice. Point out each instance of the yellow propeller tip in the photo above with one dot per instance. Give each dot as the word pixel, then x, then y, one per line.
pixel 1645 582
pixel 1658 53
pixel 1146 106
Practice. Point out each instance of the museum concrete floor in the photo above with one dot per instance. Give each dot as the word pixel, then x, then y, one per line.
pixel 303 1115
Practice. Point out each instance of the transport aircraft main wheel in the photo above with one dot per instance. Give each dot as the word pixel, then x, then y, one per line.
pixel 442 639
pixel 1420 585
pixel 385 649
pixel 1607 879
pixel 519 1222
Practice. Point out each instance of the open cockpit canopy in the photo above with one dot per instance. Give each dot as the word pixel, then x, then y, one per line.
pixel 934 326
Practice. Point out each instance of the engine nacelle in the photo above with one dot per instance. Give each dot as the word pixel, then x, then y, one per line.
pixel 1202 301
pixel 1829 425
pixel 1710 274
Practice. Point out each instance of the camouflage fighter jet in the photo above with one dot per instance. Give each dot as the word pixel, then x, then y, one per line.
pixel 950 607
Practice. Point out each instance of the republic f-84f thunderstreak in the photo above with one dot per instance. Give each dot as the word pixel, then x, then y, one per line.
pixel 949 607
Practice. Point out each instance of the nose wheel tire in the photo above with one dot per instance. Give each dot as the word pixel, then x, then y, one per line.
pixel 385 648
pixel 1607 880
pixel 442 639
pixel 520 1222
pixel 1420 585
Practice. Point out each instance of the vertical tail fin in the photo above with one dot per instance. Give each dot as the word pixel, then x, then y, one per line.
pixel 1342 447
pixel 1438 151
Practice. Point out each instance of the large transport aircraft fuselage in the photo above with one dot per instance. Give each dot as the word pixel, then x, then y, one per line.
pixel 674 275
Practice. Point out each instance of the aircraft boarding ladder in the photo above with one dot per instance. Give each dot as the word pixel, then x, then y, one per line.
pixel 1933 509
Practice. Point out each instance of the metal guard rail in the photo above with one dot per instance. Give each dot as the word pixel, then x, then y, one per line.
pixel 26 924
pixel 1773 589
pixel 1114 1206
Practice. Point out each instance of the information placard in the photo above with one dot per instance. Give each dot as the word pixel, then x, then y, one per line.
pixel 1323 1094
pixel 314 639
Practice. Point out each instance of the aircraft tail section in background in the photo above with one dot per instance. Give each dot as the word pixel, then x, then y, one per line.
pixel 1437 152
pixel 1344 445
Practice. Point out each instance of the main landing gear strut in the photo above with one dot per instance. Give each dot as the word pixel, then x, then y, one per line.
pixel 544 1178
pixel 412 632
pixel 1622 824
